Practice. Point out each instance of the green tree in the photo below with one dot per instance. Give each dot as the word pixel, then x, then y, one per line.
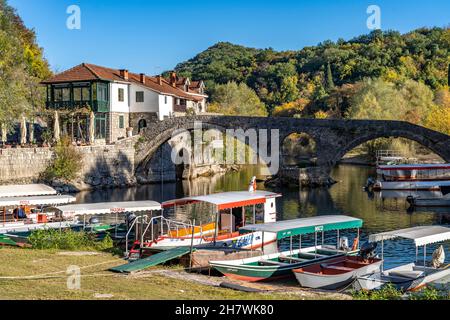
pixel 236 99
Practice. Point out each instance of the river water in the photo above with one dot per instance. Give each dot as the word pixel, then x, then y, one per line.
pixel 380 211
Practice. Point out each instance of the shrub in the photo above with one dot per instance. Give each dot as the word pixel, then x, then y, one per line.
pixel 67 162
pixel 67 240
pixel 389 292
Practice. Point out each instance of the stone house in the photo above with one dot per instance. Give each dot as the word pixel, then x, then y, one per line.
pixel 121 99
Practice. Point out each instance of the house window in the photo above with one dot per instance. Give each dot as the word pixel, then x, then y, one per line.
pixel 121 95
pixel 77 94
pixel 66 94
pixel 100 126
pixel 139 96
pixel 165 99
pixel 58 94
pixel 102 92
pixel 183 102
pixel 121 122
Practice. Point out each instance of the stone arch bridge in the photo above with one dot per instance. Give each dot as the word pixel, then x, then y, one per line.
pixel 333 138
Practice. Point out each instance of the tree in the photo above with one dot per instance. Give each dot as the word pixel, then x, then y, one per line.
pixel 439 119
pixel 22 67
pixel 236 99
pixel 291 109
pixel 330 82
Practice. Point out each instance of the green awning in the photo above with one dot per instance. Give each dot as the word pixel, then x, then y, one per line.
pixel 296 227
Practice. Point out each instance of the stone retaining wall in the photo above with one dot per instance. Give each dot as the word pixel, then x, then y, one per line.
pixel 108 165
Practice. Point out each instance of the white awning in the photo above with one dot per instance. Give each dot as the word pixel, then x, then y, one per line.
pixel 36 201
pixel 226 200
pixel 109 207
pixel 26 190
pixel 421 235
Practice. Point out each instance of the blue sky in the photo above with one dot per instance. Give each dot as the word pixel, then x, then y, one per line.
pixel 153 36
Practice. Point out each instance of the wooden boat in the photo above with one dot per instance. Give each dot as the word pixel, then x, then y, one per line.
pixel 411 276
pixel 281 264
pixel 335 273
pixel 443 201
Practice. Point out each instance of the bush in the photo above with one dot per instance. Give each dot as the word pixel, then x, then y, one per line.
pixel 67 240
pixel 389 292
pixel 67 162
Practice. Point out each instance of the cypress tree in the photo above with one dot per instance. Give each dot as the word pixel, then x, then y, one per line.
pixel 330 82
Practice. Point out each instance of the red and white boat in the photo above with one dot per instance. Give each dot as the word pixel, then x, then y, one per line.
pixel 229 210
pixel 426 177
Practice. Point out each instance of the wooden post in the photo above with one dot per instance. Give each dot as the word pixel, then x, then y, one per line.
pixel 216 231
pixel 192 245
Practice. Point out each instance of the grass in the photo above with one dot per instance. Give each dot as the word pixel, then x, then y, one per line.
pixel 97 280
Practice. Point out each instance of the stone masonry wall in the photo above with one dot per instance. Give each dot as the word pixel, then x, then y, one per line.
pixel 103 166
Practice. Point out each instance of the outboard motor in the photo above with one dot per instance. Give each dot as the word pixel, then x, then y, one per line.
pixel 129 218
pixel 370 182
pixel 367 250
pixel 343 244
pixel 94 220
pixel 410 200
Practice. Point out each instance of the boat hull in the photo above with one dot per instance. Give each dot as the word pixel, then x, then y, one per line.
pixel 393 277
pixel 330 281
pixel 250 270
pixel 250 241
pixel 411 185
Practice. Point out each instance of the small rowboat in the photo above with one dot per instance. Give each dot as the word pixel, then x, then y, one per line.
pixel 336 273
pixel 410 276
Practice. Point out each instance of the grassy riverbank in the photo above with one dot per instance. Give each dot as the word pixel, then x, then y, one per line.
pixel 50 282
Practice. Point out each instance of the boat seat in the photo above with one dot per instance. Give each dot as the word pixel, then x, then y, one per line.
pixel 330 266
pixel 406 274
pixel 292 259
pixel 271 263
pixel 312 255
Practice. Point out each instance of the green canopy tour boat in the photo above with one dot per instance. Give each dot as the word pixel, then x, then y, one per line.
pixel 281 264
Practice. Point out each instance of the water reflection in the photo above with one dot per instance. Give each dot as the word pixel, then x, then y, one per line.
pixel 380 211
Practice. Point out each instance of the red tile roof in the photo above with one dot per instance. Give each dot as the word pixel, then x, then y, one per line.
pixel 91 72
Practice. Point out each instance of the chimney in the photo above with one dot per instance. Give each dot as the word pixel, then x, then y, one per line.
pixel 142 78
pixel 159 79
pixel 173 79
pixel 124 73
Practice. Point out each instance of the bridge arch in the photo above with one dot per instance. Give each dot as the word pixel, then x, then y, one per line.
pixel 407 134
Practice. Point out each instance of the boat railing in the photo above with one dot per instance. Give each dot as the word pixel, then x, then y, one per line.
pixel 172 225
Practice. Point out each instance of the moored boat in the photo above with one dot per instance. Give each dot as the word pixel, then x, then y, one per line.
pixel 229 209
pixel 410 276
pixel 336 273
pixel 281 264
pixel 443 201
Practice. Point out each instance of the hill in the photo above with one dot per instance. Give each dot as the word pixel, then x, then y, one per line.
pixel 313 76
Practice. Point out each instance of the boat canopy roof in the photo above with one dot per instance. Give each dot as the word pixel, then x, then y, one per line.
pixel 26 190
pixel 421 235
pixel 226 200
pixel 297 227
pixel 108 207
pixel 434 166
pixel 36 201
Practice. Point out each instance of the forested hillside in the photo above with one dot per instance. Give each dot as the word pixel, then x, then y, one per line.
pixel 22 67
pixel 380 75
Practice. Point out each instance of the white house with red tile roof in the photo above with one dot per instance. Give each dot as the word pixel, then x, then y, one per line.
pixel 122 99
